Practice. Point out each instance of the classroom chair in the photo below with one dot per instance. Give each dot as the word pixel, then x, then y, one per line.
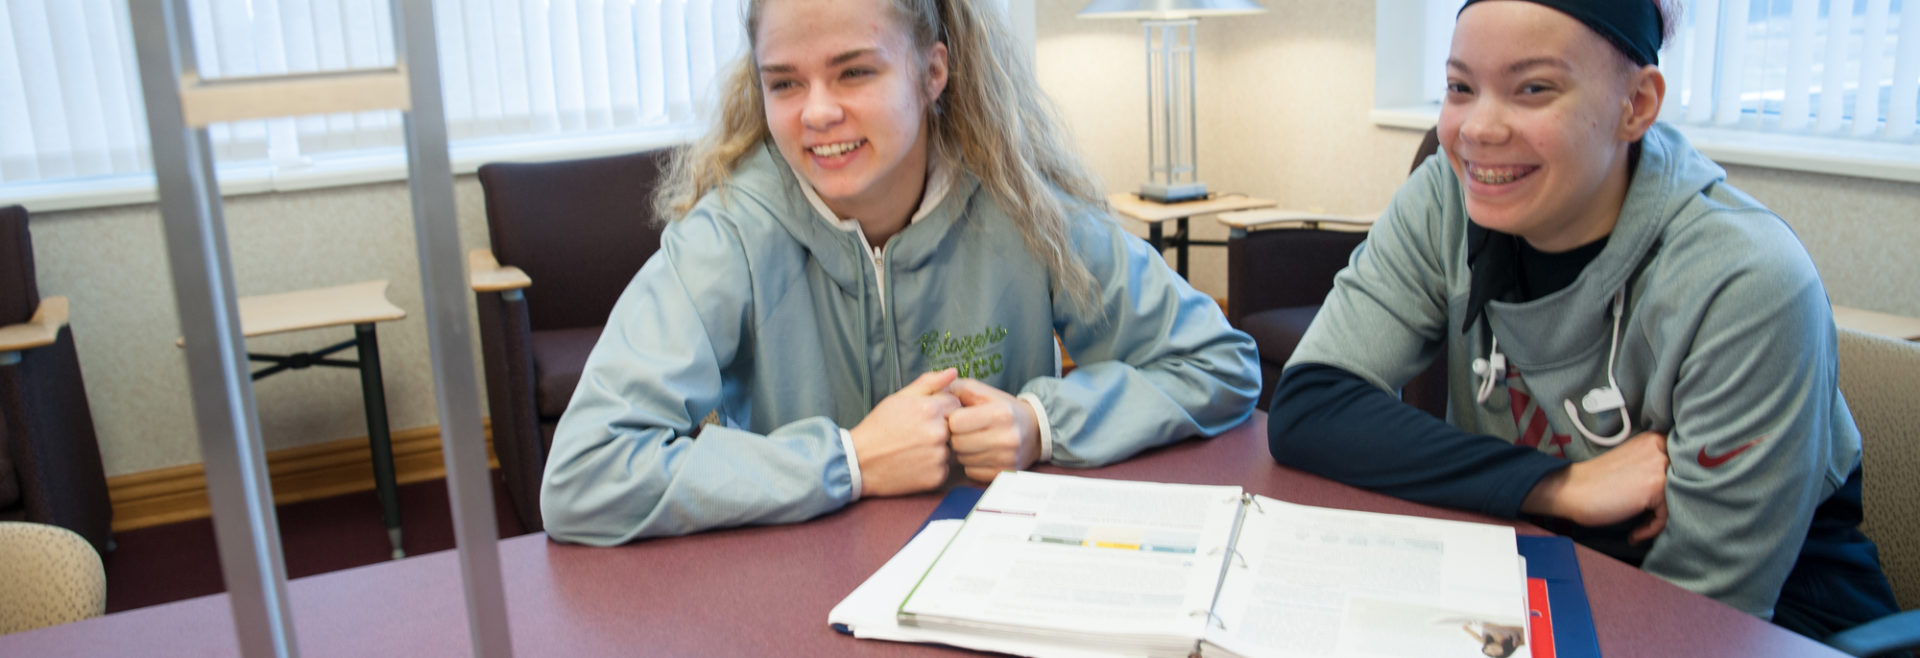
pixel 1276 280
pixel 50 470
pixel 1880 378
pixel 567 238
pixel 50 575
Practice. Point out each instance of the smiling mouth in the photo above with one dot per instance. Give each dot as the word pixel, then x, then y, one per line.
pixel 835 149
pixel 1499 175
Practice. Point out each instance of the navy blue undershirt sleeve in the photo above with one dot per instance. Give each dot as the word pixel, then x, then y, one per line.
pixel 1331 422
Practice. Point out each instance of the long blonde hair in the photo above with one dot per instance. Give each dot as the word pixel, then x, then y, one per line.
pixel 993 120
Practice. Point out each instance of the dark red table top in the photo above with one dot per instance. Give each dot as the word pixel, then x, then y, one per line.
pixel 767 590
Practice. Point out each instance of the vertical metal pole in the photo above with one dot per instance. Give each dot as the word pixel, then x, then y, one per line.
pixel 1166 94
pixel 1152 161
pixel 437 235
pixel 1193 117
pixel 223 407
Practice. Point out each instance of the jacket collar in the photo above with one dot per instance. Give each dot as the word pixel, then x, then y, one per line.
pixel 764 176
pixel 1667 174
pixel 939 183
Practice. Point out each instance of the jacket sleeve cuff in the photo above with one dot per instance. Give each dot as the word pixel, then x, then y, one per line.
pixel 1046 428
pixel 853 463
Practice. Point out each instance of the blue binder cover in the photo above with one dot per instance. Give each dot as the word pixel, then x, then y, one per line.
pixel 1551 558
pixel 956 505
pixel 960 501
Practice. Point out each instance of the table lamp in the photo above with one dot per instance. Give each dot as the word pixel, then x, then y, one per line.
pixel 1171 135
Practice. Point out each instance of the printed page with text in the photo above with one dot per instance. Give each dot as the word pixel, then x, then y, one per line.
pixel 1311 581
pixel 1125 565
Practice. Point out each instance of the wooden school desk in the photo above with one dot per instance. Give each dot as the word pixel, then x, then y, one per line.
pixel 766 591
pixel 361 306
pixel 1154 214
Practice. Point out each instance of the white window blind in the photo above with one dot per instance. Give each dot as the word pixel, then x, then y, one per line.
pixel 69 95
pixel 1836 68
pixel 511 71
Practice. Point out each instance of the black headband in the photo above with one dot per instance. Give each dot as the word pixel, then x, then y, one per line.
pixel 1632 26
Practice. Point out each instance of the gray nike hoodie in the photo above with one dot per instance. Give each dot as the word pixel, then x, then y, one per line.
pixel 1726 343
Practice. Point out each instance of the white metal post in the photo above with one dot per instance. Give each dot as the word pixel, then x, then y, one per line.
pixel 443 287
pixel 179 107
pixel 223 407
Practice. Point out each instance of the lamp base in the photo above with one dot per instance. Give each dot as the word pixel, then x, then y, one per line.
pixel 1173 193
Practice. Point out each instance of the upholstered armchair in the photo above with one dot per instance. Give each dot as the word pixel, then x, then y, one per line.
pixel 50 470
pixel 567 238
pixel 1280 267
pixel 1879 377
pixel 50 576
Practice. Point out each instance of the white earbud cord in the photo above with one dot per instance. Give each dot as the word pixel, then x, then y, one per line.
pixel 1491 368
pixel 1609 398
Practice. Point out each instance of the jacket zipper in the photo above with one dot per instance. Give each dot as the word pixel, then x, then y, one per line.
pixel 878 258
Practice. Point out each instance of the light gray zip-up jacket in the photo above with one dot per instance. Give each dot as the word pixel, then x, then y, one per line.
pixel 1727 344
pixel 756 307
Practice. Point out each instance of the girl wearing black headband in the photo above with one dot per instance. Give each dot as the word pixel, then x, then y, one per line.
pixel 1639 354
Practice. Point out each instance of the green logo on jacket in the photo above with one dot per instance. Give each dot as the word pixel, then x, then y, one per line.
pixel 976 355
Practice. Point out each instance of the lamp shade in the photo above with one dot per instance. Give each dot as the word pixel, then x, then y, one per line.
pixel 1168 9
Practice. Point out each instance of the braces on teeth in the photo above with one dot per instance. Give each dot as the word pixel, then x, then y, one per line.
pixel 1494 178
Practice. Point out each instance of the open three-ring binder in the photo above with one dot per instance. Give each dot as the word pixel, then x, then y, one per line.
pixel 1052 565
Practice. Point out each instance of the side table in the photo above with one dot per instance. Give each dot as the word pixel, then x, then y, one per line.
pixel 359 304
pixel 1154 214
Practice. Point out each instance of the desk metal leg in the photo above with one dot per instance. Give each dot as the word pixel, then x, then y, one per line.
pixel 1180 249
pixel 1154 239
pixel 374 392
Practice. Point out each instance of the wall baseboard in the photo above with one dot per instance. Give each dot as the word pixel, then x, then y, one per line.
pixel 179 493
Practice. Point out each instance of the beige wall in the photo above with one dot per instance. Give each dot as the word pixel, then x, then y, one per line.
pixel 1284 100
pixel 112 263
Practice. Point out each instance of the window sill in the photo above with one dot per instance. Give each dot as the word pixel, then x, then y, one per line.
pixel 1416 117
pixel 1839 157
pixel 378 166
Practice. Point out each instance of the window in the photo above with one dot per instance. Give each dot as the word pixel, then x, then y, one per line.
pixel 1819 85
pixel 1838 67
pixel 519 77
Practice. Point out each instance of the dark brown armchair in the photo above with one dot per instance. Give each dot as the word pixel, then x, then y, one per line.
pixel 1280 267
pixel 567 238
pixel 50 470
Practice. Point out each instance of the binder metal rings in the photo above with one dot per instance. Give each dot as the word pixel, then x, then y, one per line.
pixel 1211 616
pixel 1237 556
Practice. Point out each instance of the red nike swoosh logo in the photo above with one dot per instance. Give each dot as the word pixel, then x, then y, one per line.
pixel 1710 461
